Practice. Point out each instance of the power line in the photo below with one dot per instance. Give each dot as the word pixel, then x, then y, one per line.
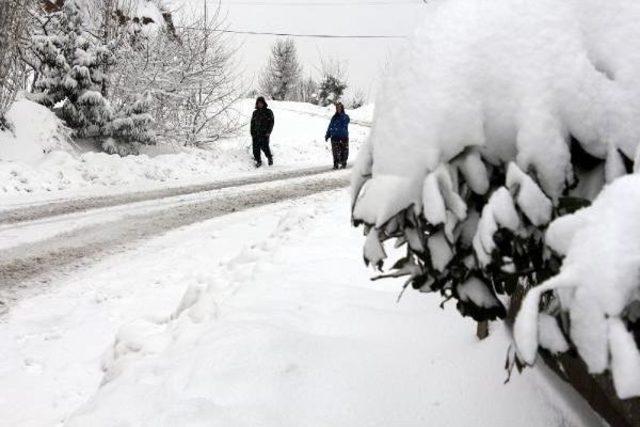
pixel 318 36
pixel 325 3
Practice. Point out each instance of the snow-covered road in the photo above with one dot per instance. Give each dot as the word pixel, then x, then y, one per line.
pixel 20 213
pixel 39 243
pixel 264 317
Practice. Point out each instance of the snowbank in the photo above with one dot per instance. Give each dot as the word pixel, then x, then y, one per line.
pixel 36 132
pixel 31 162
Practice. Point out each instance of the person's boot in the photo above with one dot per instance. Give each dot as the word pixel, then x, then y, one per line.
pixel 270 160
pixel 258 164
pixel 335 166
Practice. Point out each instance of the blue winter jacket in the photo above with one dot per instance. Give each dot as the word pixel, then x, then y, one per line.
pixel 339 127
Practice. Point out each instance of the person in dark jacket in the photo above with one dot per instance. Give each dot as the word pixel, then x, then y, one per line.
pixel 262 123
pixel 338 131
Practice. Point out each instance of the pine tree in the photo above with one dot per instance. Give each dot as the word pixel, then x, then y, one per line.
pixel 132 125
pixel 75 68
pixel 333 83
pixel 282 74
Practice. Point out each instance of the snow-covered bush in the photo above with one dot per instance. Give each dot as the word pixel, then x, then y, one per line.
pixel 501 117
pixel 598 287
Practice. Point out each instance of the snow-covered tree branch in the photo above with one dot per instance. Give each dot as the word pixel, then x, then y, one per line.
pixel 14 24
pixel 190 80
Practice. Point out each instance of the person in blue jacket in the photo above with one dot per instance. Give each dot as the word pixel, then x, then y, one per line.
pixel 338 132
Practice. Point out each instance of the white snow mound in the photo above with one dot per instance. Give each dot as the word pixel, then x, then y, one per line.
pixel 36 132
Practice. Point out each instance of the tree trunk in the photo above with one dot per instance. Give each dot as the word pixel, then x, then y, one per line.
pixel 482 331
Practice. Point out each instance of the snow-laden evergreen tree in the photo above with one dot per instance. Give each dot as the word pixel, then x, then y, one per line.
pixel 281 78
pixel 131 125
pixel 482 165
pixel 333 83
pixel 75 68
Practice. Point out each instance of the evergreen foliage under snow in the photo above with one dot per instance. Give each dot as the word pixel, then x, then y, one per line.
pixel 75 67
pixel 281 78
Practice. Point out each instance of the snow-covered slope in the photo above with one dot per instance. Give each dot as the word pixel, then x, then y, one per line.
pixel 297 141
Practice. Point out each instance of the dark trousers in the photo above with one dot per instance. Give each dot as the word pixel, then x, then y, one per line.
pixel 340 150
pixel 261 144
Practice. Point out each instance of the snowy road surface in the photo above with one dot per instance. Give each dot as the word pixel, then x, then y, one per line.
pixel 38 243
pixel 33 211
pixel 264 317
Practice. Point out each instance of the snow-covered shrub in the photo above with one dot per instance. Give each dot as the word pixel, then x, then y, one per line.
pixel 281 79
pixel 598 286
pixel 501 117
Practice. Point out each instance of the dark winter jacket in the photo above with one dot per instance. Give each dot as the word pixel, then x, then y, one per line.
pixel 262 121
pixel 339 127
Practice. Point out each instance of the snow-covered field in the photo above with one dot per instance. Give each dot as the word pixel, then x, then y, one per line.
pixel 39 165
pixel 265 317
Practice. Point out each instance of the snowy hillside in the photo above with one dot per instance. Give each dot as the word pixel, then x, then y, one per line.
pixel 297 142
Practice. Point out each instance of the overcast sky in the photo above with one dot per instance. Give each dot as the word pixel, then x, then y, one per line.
pixel 365 59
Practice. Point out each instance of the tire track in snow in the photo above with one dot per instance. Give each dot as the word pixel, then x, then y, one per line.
pixel 31 213
pixel 29 268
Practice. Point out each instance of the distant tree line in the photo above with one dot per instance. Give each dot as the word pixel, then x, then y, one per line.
pixel 282 79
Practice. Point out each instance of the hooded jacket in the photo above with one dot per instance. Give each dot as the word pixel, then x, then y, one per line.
pixel 338 127
pixel 262 120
